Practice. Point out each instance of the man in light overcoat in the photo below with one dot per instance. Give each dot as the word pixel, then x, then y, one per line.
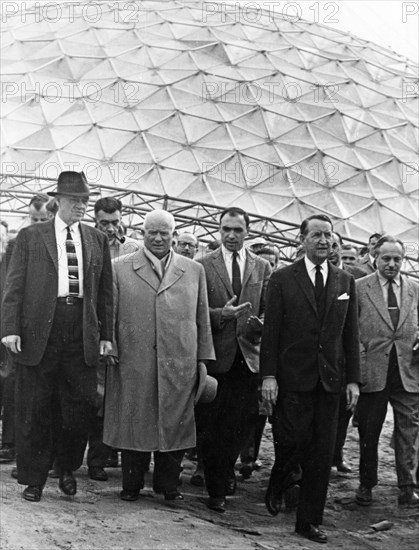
pixel 163 332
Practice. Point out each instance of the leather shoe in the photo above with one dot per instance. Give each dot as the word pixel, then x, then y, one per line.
pixel 14 473
pixel 218 504
pixel 312 532
pixel 409 497
pixel 68 484
pixel 97 473
pixel 130 496
pixel 343 467
pixel 292 497
pixel 173 495
pixel 363 496
pixel 33 493
pixel 230 485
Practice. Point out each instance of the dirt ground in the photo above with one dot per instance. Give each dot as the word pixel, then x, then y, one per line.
pixel 96 519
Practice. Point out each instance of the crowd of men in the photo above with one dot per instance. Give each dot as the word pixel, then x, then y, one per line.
pixel 195 351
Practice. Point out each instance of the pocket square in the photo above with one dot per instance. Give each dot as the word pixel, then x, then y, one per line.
pixel 344 296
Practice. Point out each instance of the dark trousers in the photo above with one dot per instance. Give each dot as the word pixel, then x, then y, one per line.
pixel 166 470
pixel 98 451
pixel 250 451
pixel 306 432
pixel 61 386
pixel 343 422
pixel 8 403
pixel 226 423
pixel 372 410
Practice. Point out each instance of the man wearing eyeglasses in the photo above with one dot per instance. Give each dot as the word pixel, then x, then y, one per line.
pixel 187 245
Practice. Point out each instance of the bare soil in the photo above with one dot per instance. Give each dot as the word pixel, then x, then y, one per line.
pixel 97 519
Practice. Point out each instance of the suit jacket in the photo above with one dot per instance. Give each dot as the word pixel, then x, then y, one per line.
pixel 31 289
pixel 299 346
pixel 228 335
pixel 365 263
pixel 354 270
pixel 378 335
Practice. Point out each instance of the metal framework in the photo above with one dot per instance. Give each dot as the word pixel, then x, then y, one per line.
pixel 198 217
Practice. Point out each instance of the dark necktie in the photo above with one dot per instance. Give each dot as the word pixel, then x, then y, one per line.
pixel 73 266
pixel 318 284
pixel 236 279
pixel 392 306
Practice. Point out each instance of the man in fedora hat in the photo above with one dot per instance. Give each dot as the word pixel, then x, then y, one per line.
pixel 56 321
pixel 163 334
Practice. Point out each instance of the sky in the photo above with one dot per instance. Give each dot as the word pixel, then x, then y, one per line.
pixel 390 23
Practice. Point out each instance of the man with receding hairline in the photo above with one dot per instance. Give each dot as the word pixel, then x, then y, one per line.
pixel 388 320
pixel 186 245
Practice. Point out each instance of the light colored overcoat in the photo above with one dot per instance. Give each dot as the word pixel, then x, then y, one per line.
pixel 378 335
pixel 162 330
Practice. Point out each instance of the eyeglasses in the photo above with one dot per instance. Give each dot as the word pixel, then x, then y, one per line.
pixel 187 245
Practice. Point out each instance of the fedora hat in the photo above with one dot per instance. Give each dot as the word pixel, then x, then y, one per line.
pixel 207 386
pixel 72 183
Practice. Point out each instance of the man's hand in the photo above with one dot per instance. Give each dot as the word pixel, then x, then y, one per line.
pixel 270 390
pixel 352 394
pixel 12 342
pixel 234 312
pixel 105 347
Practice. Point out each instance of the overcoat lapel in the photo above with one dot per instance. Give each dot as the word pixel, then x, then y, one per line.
pixel 48 234
pixel 172 274
pixel 305 283
pixel 143 269
pixel 221 270
pixel 375 295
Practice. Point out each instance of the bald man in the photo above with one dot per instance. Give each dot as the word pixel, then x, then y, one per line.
pixel 187 245
pixel 151 385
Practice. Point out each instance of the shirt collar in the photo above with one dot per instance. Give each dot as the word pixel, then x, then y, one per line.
pixel 227 254
pixel 311 267
pixel 383 281
pixel 60 224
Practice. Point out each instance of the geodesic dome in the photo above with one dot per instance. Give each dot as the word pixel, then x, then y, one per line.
pixel 211 104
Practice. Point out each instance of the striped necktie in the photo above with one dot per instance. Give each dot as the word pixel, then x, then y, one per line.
pixel 73 266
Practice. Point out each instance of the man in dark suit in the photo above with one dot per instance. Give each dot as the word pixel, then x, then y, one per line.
pixel 56 320
pixel 367 262
pixel 309 352
pixel 236 282
pixel 388 321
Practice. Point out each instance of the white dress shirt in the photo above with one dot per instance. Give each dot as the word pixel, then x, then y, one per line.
pixel 61 237
pixel 311 270
pixel 397 287
pixel 228 260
